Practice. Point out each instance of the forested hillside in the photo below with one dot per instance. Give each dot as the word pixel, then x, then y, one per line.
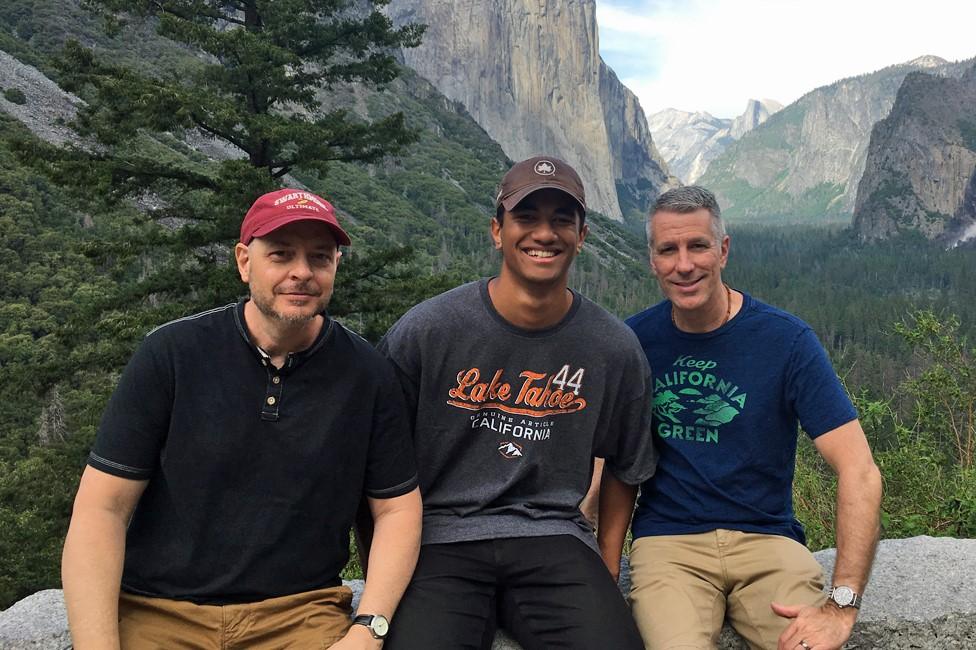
pixel 80 285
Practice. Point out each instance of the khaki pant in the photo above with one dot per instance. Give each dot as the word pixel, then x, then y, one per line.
pixel 685 586
pixel 314 619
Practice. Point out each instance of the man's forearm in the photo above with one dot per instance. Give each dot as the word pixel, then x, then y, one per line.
pixel 591 501
pixel 392 556
pixel 857 527
pixel 91 570
pixel 616 509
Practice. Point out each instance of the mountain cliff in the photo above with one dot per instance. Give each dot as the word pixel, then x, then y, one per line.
pixel 435 196
pixel 806 160
pixel 529 72
pixel 920 172
pixel 689 141
pixel 757 111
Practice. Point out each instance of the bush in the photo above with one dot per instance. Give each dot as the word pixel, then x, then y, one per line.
pixel 15 96
pixel 923 440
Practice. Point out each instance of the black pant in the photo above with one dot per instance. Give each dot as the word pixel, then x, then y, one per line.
pixel 547 592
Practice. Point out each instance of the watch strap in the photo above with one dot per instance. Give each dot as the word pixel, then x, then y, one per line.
pixel 367 621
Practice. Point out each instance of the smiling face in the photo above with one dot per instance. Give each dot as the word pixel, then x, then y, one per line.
pixel 290 271
pixel 687 259
pixel 539 239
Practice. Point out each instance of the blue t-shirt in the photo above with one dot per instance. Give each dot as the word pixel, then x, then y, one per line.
pixel 726 408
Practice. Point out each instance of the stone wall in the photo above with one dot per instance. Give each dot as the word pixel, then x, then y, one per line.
pixel 922 596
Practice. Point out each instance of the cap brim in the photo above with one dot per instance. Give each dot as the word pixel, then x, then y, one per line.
pixel 509 202
pixel 340 235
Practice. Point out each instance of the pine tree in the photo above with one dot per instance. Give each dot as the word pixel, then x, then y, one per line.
pixel 253 80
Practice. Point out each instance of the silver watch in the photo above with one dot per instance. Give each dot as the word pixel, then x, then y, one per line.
pixel 843 596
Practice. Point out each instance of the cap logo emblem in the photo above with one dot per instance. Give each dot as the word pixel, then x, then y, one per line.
pixel 300 199
pixel 545 168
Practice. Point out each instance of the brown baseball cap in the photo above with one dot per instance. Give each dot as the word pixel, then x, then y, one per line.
pixel 537 173
pixel 279 208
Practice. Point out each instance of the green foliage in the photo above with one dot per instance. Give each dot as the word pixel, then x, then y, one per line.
pixel 923 443
pixel 814 495
pixel 780 131
pixel 967 129
pixel 851 293
pixel 259 91
pixel 891 189
pixel 36 493
pixel 15 96
pixel 944 408
pixel 374 290
pixel 249 79
pixel 817 204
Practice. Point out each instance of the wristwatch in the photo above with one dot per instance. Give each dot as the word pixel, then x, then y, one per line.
pixel 843 596
pixel 377 624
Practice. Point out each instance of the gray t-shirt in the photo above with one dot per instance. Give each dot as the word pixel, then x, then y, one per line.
pixel 507 421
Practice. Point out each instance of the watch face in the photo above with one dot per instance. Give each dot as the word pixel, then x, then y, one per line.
pixel 380 625
pixel 843 596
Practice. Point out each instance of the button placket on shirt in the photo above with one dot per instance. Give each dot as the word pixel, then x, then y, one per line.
pixel 272 392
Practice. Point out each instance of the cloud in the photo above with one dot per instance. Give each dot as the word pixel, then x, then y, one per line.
pixel 714 55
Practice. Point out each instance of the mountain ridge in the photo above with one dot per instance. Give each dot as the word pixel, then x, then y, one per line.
pixel 805 161
pixel 689 141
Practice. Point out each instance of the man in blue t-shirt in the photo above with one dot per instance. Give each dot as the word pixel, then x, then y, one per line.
pixel 715 536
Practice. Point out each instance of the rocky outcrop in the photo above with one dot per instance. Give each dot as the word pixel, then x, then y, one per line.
pixel 38 622
pixel 639 171
pixel 921 164
pixel 757 111
pixel 689 141
pixel 46 109
pixel 529 72
pixel 922 595
pixel 805 161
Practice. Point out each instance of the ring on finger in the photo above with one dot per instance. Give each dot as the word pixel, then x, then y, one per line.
pixel 806 646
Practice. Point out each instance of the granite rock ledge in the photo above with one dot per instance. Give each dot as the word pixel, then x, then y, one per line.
pixel 922 596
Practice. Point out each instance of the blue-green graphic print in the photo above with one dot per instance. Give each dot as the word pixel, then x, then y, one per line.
pixel 692 401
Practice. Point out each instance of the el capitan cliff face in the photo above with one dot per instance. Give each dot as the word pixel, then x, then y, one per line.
pixel 530 73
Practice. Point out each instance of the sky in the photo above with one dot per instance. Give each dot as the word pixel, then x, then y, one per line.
pixel 715 55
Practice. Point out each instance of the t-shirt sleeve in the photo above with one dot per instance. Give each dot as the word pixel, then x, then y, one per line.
pixel 627 444
pixel 814 390
pixel 401 349
pixel 391 468
pixel 135 422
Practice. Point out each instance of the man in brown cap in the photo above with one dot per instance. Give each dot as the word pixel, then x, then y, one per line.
pixel 515 383
pixel 246 435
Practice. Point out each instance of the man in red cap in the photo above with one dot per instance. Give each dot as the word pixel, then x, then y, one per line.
pixel 230 460
pixel 515 383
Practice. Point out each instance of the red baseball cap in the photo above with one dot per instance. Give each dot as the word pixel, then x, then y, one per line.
pixel 281 207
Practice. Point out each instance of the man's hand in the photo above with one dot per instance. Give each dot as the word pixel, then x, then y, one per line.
pixel 358 638
pixel 821 628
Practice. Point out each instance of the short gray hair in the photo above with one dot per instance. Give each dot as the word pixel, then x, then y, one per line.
pixel 685 200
